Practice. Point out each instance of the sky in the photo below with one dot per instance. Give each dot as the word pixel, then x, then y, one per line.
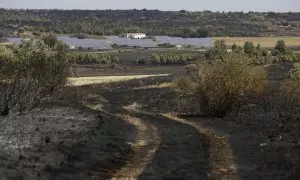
pixel 191 5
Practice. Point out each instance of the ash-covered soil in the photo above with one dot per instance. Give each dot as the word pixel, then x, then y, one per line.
pixel 61 143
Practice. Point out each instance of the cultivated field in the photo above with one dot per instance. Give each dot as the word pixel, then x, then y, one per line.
pixel 268 42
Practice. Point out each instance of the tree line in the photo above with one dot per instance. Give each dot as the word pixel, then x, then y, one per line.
pixel 151 22
pixel 82 58
pixel 258 54
pixel 173 58
pixel 228 79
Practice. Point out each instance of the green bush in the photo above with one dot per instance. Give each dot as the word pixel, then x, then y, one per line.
pixel 155 58
pixel 223 85
pixel 289 97
pixel 185 87
pixel 21 30
pixel 29 73
pixel 36 33
pixel 281 47
pixel 218 51
pixel 191 68
pixel 290 91
pixel 141 61
pixel 294 73
pixel 249 48
pixel 115 60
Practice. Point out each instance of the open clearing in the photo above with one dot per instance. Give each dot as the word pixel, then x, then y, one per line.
pixel 268 42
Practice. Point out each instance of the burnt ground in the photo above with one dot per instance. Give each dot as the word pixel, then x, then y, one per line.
pixel 130 130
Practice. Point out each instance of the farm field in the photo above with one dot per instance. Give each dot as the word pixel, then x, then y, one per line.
pixel 268 42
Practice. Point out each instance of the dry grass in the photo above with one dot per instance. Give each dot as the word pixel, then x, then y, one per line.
pixel 161 85
pixel 81 81
pixel 263 41
pixel 4 43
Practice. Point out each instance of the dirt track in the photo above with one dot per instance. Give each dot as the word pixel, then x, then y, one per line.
pixel 133 135
pixel 165 147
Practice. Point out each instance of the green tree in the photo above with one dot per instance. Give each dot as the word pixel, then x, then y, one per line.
pixel 203 32
pixel 234 47
pixel 49 39
pixel 21 30
pixel 218 51
pixel 237 49
pixel 281 47
pixel 249 48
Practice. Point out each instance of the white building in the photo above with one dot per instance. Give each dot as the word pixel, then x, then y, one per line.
pixel 178 47
pixel 135 35
pixel 72 47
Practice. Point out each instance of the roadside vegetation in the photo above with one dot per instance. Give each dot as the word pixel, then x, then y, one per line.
pixel 29 73
pixel 290 93
pixel 224 82
pixel 221 86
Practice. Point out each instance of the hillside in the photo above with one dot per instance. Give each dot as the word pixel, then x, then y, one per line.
pixel 153 22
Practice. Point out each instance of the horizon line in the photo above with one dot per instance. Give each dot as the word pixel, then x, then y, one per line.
pixel 77 9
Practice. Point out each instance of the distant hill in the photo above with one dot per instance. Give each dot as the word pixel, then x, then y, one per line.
pixel 152 22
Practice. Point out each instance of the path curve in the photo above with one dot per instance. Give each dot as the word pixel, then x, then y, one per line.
pixel 222 165
pixel 145 146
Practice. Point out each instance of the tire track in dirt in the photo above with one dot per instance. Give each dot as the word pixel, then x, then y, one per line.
pixel 146 143
pixel 145 146
pixel 179 149
pixel 167 147
pixel 221 158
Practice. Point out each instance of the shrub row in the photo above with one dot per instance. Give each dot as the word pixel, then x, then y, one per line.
pixel 173 58
pixel 92 58
pixel 263 60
